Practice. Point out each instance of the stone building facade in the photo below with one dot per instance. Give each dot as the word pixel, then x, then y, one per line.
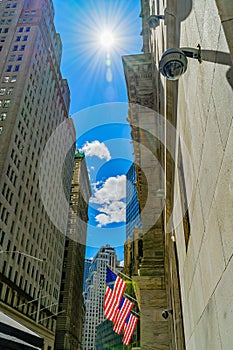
pixel 71 306
pixel 35 166
pixel 185 125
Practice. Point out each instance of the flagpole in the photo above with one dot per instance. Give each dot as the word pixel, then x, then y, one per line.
pixel 135 313
pixel 129 296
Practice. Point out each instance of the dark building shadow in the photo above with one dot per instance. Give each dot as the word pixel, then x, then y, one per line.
pixel 220 57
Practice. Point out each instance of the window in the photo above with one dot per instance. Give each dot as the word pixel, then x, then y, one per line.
pixel 2 91
pixel 5 14
pixel 12 58
pixel 9 91
pixel 12 13
pixel 2 116
pixel 13 78
pixel 6 103
pixel 9 68
pixel 0 48
pixel 20 57
pixel 22 48
pixel 15 48
pixel 18 38
pixel 14 6
pixel 2 237
pixel 20 29
pixel 25 38
pixel 28 29
pixel 6 30
pixel 6 79
pixel 2 39
pixel 1 128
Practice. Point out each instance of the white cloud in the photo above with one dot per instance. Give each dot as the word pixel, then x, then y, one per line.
pixel 96 148
pixel 110 196
pixel 113 189
pixel 122 263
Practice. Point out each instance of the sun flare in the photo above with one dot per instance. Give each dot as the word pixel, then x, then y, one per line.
pixel 107 39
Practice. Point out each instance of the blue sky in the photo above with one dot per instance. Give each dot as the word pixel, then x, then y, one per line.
pixel 99 103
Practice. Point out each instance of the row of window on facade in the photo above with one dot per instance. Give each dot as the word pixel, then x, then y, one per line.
pixel 18 38
pixel 5 30
pixel 15 48
pixel 30 269
pixel 10 68
pixel 9 5
pixel 8 13
pixel 18 302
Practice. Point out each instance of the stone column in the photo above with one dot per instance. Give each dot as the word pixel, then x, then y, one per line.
pixel 151 293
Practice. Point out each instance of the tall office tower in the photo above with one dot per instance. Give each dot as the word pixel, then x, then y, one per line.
pixel 106 338
pixel 132 207
pixel 71 306
pixel 94 294
pixel 87 264
pixel 34 101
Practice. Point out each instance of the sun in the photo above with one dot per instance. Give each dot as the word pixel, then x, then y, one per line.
pixel 107 39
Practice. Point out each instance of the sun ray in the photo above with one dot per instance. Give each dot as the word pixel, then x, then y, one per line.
pixel 84 57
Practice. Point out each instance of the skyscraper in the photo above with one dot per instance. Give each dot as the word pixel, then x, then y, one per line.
pixel 94 294
pixel 132 207
pixel 34 101
pixel 87 264
pixel 71 307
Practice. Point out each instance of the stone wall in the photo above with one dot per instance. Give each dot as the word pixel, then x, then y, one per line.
pixel 204 122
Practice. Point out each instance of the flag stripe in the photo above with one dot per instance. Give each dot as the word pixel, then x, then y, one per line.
pixel 121 315
pixel 114 291
pixel 129 328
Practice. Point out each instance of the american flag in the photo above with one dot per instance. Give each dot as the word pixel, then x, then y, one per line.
pixel 129 328
pixel 115 288
pixel 122 313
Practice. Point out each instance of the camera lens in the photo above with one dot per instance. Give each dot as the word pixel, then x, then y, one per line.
pixel 173 70
pixel 173 64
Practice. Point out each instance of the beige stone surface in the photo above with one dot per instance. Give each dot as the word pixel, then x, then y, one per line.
pixel 224 199
pixel 224 306
pixel 196 296
pixel 221 99
pixel 197 225
pixel 211 256
pixel 211 25
pixel 211 163
pixel 206 335
pixel 199 8
pixel 204 123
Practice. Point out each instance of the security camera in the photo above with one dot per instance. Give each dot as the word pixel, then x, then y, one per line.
pixel 166 313
pixel 173 64
pixel 174 61
pixel 153 21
